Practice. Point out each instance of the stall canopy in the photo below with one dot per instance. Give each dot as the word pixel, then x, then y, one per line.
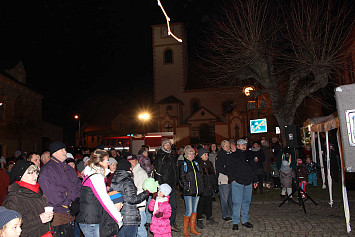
pixel 325 124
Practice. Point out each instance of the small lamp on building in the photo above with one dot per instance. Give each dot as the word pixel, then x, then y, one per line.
pixel 144 117
pixel 78 118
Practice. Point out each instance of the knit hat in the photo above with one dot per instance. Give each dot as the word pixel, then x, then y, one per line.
pixel 242 142
pixel 286 167
pixel 124 165
pixel 181 149
pixel 116 197
pixel 19 169
pixel 17 153
pixel 232 141
pixel 7 215
pixel 111 161
pixel 132 157
pixel 165 189
pixel 86 159
pixel 201 151
pixel 189 150
pixel 165 141
pixel 56 146
pixel 69 160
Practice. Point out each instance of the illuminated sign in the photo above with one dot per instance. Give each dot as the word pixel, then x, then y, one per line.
pixel 258 125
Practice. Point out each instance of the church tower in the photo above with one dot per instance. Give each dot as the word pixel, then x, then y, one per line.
pixel 169 75
pixel 169 62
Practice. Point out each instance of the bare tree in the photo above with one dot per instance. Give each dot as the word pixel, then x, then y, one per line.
pixel 291 49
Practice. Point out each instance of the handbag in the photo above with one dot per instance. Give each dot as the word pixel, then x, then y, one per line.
pixel 48 233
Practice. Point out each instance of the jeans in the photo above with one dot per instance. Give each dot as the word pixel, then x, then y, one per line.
pixel 312 179
pixel 173 204
pixel 128 231
pixel 142 232
pixel 225 194
pixel 191 203
pixel 241 196
pixel 76 229
pixel 147 212
pixel 90 230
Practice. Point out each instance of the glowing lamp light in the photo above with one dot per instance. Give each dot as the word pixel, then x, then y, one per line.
pixel 247 90
pixel 144 116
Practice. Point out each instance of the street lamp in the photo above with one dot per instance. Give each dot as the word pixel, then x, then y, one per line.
pixel 78 118
pixel 144 117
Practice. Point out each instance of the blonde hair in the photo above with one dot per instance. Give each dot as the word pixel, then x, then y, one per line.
pixel 97 156
pixel 3 229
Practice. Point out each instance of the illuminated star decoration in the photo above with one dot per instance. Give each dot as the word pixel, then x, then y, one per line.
pixel 168 22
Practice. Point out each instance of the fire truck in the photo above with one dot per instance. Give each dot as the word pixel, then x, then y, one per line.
pixel 133 143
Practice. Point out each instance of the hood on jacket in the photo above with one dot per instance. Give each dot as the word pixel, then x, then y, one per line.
pixel 121 174
pixel 13 188
pixel 95 170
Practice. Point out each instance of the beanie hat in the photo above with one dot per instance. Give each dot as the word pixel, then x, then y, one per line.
pixel 86 159
pixel 80 166
pixel 189 150
pixel 165 141
pixel 124 165
pixel 69 160
pixel 56 146
pixel 17 153
pixel 132 157
pixel 242 142
pixel 111 161
pixel 7 215
pixel 201 151
pixel 19 169
pixel 116 197
pixel 165 189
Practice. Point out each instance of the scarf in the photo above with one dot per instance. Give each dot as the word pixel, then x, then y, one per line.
pixel 159 200
pixel 32 187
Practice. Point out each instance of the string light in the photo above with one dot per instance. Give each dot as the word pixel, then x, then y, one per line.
pixel 168 22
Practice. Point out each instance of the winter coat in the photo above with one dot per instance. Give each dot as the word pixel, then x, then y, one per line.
pixel 60 184
pixel 160 226
pixel 209 178
pixel 191 178
pixel 139 176
pixel 165 168
pixel 94 200
pixel 258 153
pixel 268 159
pixel 302 173
pixel 286 178
pixel 144 162
pixel 241 168
pixel 212 157
pixel 222 160
pixel 4 183
pixel 123 183
pixel 30 205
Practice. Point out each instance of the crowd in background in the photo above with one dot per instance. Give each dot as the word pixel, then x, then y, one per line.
pixel 101 193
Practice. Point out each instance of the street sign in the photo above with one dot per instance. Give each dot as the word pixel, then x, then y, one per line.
pixel 258 125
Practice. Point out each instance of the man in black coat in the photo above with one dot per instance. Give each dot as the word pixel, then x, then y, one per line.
pixel 165 171
pixel 241 174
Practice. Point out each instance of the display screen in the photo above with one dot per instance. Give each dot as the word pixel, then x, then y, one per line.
pixel 258 125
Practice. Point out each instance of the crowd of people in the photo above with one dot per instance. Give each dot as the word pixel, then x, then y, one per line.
pixel 102 193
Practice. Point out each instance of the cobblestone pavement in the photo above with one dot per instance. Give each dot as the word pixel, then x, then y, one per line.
pixel 288 220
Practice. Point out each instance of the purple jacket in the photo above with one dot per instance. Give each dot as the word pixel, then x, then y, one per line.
pixel 60 184
pixel 145 164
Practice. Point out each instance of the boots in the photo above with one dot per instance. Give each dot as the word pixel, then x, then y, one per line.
pixel 200 224
pixel 186 221
pixel 211 221
pixel 193 224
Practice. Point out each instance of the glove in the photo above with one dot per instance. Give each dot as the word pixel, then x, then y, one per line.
pixel 74 207
pixel 158 214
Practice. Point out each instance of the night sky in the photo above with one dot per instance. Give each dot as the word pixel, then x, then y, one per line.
pixel 74 51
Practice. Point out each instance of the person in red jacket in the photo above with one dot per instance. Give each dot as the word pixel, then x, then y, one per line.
pixel 4 180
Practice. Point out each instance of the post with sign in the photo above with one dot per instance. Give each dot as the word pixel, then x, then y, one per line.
pixel 258 126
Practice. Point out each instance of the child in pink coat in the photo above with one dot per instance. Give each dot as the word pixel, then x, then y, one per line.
pixel 160 224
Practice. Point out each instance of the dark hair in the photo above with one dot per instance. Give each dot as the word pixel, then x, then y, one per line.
pixel 211 147
pixel 143 149
pixel 29 155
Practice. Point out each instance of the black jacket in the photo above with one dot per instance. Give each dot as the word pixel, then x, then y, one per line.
pixel 191 178
pixel 222 160
pixel 165 168
pixel 209 178
pixel 241 168
pixel 122 182
pixel 91 209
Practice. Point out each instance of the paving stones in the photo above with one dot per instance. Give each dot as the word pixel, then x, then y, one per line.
pixel 271 220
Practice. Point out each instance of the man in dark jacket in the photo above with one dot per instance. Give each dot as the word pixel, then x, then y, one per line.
pixel 61 186
pixel 123 183
pixel 165 171
pixel 241 174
